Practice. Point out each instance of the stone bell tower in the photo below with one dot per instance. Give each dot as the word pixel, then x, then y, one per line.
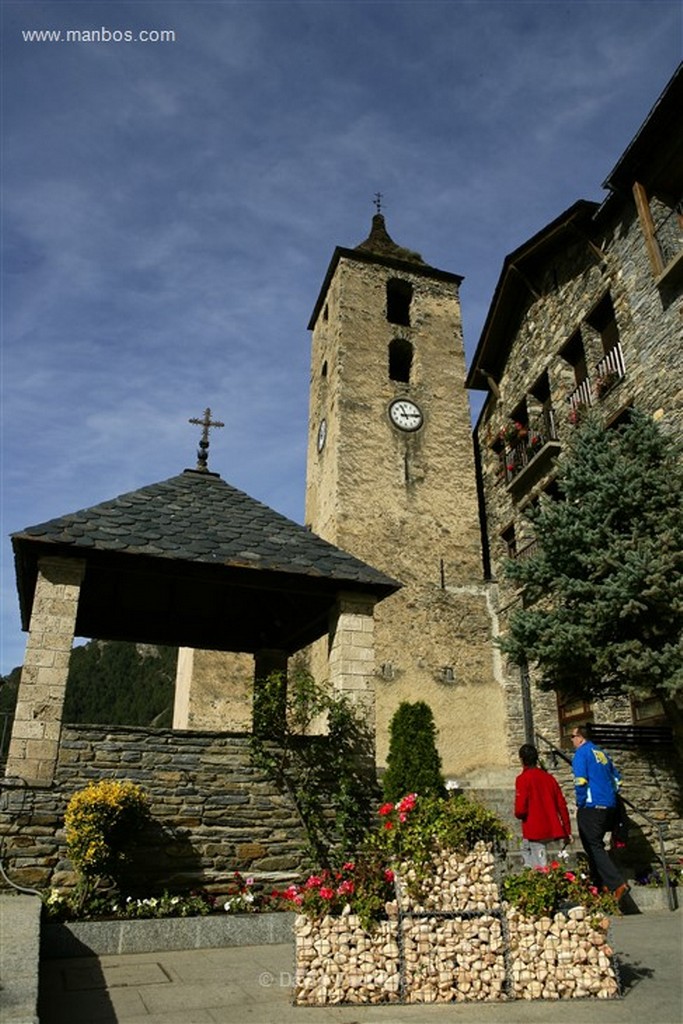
pixel 391 479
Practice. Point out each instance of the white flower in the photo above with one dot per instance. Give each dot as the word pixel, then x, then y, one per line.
pixel 563 855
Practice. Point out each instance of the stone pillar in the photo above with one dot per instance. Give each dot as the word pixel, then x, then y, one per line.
pixel 268 661
pixel 183 688
pixel 34 745
pixel 352 652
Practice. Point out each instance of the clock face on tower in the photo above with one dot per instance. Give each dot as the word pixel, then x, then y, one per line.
pixel 405 415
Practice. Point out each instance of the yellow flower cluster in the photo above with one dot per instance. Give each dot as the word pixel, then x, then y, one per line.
pixel 100 821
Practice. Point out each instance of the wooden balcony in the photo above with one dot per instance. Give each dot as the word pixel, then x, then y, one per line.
pixel 608 372
pixel 527 459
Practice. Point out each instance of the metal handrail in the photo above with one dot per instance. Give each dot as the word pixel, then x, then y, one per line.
pixel 556 752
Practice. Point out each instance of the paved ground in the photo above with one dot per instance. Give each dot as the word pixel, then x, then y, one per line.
pixel 252 985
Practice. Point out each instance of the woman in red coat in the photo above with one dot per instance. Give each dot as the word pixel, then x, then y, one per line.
pixel 541 807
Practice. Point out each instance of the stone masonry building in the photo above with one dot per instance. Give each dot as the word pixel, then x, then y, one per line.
pixel 587 313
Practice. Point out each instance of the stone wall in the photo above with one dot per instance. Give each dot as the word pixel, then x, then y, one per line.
pixel 213 811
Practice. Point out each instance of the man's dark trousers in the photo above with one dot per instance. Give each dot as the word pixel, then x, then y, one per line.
pixel 593 823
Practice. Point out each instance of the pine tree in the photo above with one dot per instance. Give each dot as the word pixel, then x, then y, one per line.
pixel 602 594
pixel 413 761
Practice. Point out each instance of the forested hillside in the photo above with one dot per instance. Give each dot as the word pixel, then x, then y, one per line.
pixel 108 684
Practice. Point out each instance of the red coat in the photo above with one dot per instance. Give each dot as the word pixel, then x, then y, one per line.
pixel 541 806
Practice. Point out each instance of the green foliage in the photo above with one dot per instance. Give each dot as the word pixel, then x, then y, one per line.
pixel 365 886
pixel 331 778
pixel 416 828
pixel 108 684
pixel 101 823
pixel 9 688
pixel 603 592
pixel 60 906
pixel 413 761
pixel 541 892
pixel 120 684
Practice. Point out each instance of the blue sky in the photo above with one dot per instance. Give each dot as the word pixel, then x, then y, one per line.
pixel 170 208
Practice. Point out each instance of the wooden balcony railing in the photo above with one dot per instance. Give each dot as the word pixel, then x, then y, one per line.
pixel 609 371
pixel 518 455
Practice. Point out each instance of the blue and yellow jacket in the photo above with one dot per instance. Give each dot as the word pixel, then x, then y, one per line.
pixel 596 780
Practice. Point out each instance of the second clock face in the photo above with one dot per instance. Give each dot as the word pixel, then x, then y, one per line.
pixel 405 415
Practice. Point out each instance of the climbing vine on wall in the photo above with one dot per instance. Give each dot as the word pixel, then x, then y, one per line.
pixel 330 776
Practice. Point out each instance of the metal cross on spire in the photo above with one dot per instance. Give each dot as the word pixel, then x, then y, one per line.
pixel 378 201
pixel 203 451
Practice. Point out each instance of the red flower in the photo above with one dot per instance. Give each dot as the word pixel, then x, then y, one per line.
pixel 326 893
pixel 388 825
pixel 386 809
pixel 569 876
pixel 408 802
pixel 554 864
pixel 388 875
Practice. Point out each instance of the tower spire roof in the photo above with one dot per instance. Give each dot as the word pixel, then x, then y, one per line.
pixel 380 243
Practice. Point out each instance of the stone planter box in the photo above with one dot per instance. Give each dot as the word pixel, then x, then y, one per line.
pixel 452 942
pixel 651 898
pixel 453 958
pixel 564 957
pixel 88 938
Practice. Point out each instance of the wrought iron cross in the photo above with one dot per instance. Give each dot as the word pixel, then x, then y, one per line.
pixel 378 201
pixel 203 451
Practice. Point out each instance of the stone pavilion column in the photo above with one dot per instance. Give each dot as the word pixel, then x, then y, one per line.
pixel 34 745
pixel 352 652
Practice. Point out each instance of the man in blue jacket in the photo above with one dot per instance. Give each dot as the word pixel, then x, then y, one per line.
pixel 596 781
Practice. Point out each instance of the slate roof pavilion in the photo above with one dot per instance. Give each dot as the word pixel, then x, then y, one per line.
pixel 192 561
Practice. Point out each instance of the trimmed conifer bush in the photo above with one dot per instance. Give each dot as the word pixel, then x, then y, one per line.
pixel 413 762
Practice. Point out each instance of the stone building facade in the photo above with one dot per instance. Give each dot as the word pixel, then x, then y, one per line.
pixel 587 313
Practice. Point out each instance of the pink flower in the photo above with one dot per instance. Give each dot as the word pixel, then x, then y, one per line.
pixel 326 893
pixel 569 876
pixel 593 889
pixel 346 887
pixel 407 803
pixel 349 866
pixel 537 867
pixel 313 882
